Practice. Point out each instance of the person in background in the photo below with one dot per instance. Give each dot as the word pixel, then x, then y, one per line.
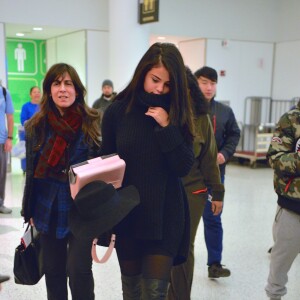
pixel 227 134
pixel 32 106
pixel 283 156
pixel 106 98
pixel 65 131
pixel 205 172
pixel 27 111
pixel 6 137
pixel 150 125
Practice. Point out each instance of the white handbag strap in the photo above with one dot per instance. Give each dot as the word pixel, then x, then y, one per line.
pixel 108 252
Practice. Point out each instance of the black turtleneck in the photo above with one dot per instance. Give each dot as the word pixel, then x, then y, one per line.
pixel 153 100
pixel 155 159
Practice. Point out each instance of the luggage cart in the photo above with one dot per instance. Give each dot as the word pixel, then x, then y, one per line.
pixel 255 139
pixel 256 132
pixel 258 143
pixel 279 107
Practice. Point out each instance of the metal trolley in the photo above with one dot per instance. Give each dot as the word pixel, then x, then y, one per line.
pixel 256 141
pixel 260 117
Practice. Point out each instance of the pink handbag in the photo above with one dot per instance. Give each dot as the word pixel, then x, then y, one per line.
pixel 110 169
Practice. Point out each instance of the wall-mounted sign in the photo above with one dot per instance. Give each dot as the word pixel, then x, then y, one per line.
pixel 26 67
pixel 148 11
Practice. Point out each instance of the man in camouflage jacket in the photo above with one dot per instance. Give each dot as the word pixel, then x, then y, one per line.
pixel 284 158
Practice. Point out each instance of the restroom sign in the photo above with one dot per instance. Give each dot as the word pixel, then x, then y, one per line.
pixel 148 11
pixel 22 57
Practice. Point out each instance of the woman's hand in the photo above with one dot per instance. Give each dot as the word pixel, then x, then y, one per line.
pixel 159 115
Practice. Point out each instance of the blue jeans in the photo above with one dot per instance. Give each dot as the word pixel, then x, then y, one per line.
pixel 213 232
pixel 23 160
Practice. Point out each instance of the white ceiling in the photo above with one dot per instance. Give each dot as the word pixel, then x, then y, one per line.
pixel 51 32
pixel 47 32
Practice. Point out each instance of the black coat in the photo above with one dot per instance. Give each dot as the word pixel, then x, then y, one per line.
pixel 226 130
pixel 155 159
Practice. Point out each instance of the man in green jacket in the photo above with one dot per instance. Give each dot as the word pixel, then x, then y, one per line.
pixel 205 172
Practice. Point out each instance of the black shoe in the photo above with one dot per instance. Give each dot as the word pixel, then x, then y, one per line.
pixel 3 278
pixel 270 250
pixel 217 271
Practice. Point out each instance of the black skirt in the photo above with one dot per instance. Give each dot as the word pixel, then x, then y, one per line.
pixel 175 232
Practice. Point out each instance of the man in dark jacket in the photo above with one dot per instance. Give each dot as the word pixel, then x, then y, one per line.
pixel 227 134
pixel 107 96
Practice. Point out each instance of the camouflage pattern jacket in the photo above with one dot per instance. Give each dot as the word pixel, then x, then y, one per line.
pixel 284 158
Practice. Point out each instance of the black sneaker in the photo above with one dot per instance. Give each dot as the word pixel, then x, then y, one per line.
pixel 217 271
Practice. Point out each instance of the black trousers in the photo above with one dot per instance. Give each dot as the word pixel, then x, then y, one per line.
pixel 67 258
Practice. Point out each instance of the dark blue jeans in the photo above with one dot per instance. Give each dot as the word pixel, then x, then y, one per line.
pixel 213 233
pixel 23 160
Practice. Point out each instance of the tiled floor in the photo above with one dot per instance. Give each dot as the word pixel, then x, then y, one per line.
pixel 250 205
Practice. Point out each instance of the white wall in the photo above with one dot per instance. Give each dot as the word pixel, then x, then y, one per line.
pixel 248 67
pixel 193 53
pixel 51 52
pixel 231 19
pixel 70 49
pixel 3 70
pixel 286 82
pixel 128 41
pixel 287 25
pixel 97 63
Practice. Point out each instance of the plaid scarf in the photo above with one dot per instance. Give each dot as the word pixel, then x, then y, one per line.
pixel 52 162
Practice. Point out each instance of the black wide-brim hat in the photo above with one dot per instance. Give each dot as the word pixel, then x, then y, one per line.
pixel 98 207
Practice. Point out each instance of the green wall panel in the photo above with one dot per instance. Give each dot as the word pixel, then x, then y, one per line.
pixel 26 64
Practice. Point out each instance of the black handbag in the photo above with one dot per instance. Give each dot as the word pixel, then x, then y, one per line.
pixel 27 262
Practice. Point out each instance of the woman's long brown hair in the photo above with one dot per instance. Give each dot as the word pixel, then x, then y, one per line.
pixel 90 116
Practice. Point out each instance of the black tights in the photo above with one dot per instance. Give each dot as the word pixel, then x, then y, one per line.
pixel 143 257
